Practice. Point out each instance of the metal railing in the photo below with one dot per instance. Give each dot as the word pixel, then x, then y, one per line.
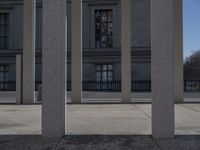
pixel 190 86
pixel 7 85
pixel 141 86
pixel 106 86
pixel 113 86
pixel 11 85
pixel 37 84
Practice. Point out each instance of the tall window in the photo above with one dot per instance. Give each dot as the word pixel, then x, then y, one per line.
pixel 3 76
pixel 103 26
pixel 104 76
pixel 4 30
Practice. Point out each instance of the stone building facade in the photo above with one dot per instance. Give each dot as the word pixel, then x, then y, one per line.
pixel 101 39
pixel 101 44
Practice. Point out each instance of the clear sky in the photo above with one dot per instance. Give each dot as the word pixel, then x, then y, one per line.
pixel 191 18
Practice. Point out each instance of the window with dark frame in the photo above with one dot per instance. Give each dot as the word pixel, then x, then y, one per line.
pixel 104 76
pixel 4 30
pixel 104 28
pixel 3 76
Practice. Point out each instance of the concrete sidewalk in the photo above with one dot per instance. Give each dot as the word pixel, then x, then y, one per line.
pixel 114 127
pixel 115 119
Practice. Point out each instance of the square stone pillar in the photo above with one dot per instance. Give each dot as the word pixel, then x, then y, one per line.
pixel 126 50
pixel 76 12
pixel 54 68
pixel 18 79
pixel 163 70
pixel 179 84
pixel 29 52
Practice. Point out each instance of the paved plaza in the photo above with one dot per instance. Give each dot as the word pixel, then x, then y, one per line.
pixel 116 119
pixel 98 127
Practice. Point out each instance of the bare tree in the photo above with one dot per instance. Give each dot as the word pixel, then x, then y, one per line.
pixel 192 66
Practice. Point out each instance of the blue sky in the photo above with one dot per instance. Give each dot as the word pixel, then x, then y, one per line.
pixel 191 18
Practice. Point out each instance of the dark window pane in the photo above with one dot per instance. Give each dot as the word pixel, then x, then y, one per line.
pixel 98 38
pixel 98 67
pixel 110 29
pixel 98 76
pixel 110 67
pixel 110 76
pixel 4 76
pixel 2 19
pixel 4 30
pixel 103 28
pixel 110 16
pixel 7 19
pixel 98 41
pixel 98 16
pixel 1 68
pixel 109 41
pixel 98 44
pixel 103 16
pixel 104 76
pixel 104 41
pixel 2 42
pixel 1 75
pixel 104 67
pixel 6 68
pixel 98 28
pixel 6 43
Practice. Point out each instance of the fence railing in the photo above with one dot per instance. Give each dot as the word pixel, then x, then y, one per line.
pixel 109 86
pixel 7 85
pixel 11 85
pixel 113 86
pixel 141 86
pixel 37 83
pixel 190 86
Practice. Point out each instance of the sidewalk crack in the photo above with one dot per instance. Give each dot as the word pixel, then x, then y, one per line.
pixel 189 108
pixel 57 144
pixel 156 143
pixel 142 111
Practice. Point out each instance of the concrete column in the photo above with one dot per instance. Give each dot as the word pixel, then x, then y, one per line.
pixel 179 52
pixel 18 79
pixel 54 68
pixel 76 8
pixel 163 72
pixel 29 52
pixel 126 50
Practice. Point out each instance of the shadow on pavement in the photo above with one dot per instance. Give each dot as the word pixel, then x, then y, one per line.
pixel 99 142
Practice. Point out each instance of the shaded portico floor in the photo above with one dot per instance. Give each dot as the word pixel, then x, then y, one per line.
pixel 116 119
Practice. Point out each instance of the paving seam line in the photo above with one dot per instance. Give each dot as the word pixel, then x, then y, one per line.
pixel 142 111
pixel 57 144
pixel 189 108
pixel 156 143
